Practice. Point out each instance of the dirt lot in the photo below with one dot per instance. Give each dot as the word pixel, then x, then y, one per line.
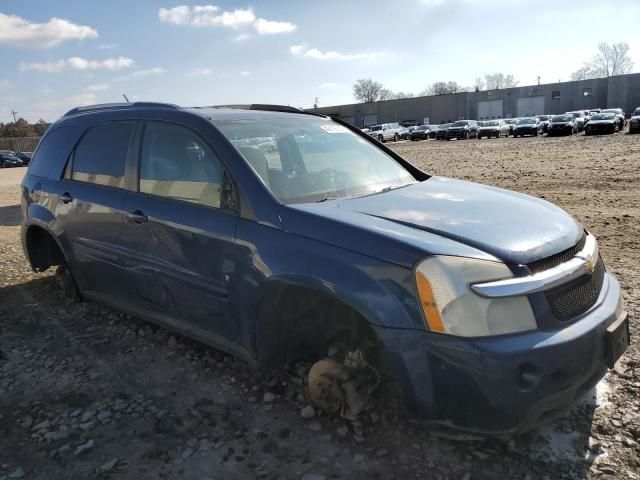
pixel 88 392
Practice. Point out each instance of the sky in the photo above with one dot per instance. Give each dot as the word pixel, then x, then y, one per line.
pixel 59 54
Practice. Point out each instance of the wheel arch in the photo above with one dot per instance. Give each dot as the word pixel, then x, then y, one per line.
pixel 294 310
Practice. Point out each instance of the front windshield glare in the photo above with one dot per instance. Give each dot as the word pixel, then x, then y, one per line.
pixel 306 158
pixel 527 121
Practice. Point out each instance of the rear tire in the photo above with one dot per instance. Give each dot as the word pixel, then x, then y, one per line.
pixel 380 138
pixel 396 137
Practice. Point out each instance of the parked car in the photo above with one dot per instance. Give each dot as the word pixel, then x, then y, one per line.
pixel 544 120
pixel 527 126
pixel 511 122
pixel 622 119
pixel 634 121
pixel 405 132
pixel 494 312
pixel 8 160
pixel 579 118
pixel 562 125
pixel 443 131
pixel 421 132
pixel 602 123
pixel 493 128
pixel 463 129
pixel 386 131
pixel 25 157
pixel 595 110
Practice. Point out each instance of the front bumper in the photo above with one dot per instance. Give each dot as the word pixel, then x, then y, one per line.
pixel 501 385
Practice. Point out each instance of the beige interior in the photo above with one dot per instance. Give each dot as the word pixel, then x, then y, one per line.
pixel 203 193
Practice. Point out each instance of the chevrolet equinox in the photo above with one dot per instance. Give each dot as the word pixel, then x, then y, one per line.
pixel 272 233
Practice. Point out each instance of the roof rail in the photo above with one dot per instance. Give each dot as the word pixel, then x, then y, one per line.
pixel 118 106
pixel 259 106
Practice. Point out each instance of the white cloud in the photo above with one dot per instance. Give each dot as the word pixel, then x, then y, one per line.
pixel 304 51
pixel 107 46
pixel 212 16
pixel 268 27
pixel 245 73
pixel 79 63
pixel 200 72
pixel 4 83
pixel 98 87
pixel 149 71
pixel 17 31
pixel 329 85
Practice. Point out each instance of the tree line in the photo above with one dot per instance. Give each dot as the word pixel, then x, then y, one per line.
pixel 22 128
pixel 609 60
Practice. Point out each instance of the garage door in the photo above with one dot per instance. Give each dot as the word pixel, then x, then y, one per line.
pixel 529 106
pixel 489 109
pixel 370 120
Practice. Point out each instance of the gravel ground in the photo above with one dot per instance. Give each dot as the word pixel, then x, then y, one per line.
pixel 87 392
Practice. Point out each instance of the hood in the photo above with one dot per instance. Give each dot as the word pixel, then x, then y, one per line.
pixel 513 227
pixel 560 124
pixel 527 125
pixel 600 122
pixel 462 127
pixel 494 127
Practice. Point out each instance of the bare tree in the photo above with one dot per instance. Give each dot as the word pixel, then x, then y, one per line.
pixel 478 84
pixel 608 61
pixel 441 88
pixel 401 95
pixel 498 80
pixel 366 90
pixel 583 73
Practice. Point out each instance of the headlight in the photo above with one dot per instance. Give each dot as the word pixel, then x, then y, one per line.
pixel 449 306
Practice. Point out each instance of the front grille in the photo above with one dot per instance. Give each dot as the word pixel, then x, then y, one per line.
pixel 558 258
pixel 578 296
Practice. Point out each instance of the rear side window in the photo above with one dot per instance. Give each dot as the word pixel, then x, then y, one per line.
pixel 53 151
pixel 101 155
pixel 176 163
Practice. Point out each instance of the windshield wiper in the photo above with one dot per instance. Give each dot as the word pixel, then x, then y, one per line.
pixel 328 197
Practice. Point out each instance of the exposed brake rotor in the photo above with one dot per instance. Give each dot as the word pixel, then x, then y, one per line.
pixel 343 388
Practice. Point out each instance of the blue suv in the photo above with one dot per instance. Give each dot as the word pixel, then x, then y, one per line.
pixel 273 234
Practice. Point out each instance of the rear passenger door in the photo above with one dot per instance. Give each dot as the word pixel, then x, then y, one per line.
pixel 90 205
pixel 179 237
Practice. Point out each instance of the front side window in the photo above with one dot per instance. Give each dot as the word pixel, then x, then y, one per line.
pixel 587 92
pixel 306 158
pixel 101 155
pixel 176 163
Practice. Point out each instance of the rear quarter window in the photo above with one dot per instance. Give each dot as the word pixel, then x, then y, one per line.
pixel 53 151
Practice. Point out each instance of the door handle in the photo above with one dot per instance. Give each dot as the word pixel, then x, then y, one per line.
pixel 66 197
pixel 136 216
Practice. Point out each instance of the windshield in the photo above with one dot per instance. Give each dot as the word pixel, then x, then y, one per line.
pixel 527 121
pixel 305 158
pixel 375 128
pixel 460 123
pixel 493 123
pixel 636 112
pixel 421 127
pixel 612 110
pixel 562 118
pixel 543 118
pixel 603 116
pixel 577 114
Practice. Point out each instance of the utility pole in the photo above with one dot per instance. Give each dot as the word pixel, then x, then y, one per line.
pixel 13 112
pixel 315 103
pixel 539 77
